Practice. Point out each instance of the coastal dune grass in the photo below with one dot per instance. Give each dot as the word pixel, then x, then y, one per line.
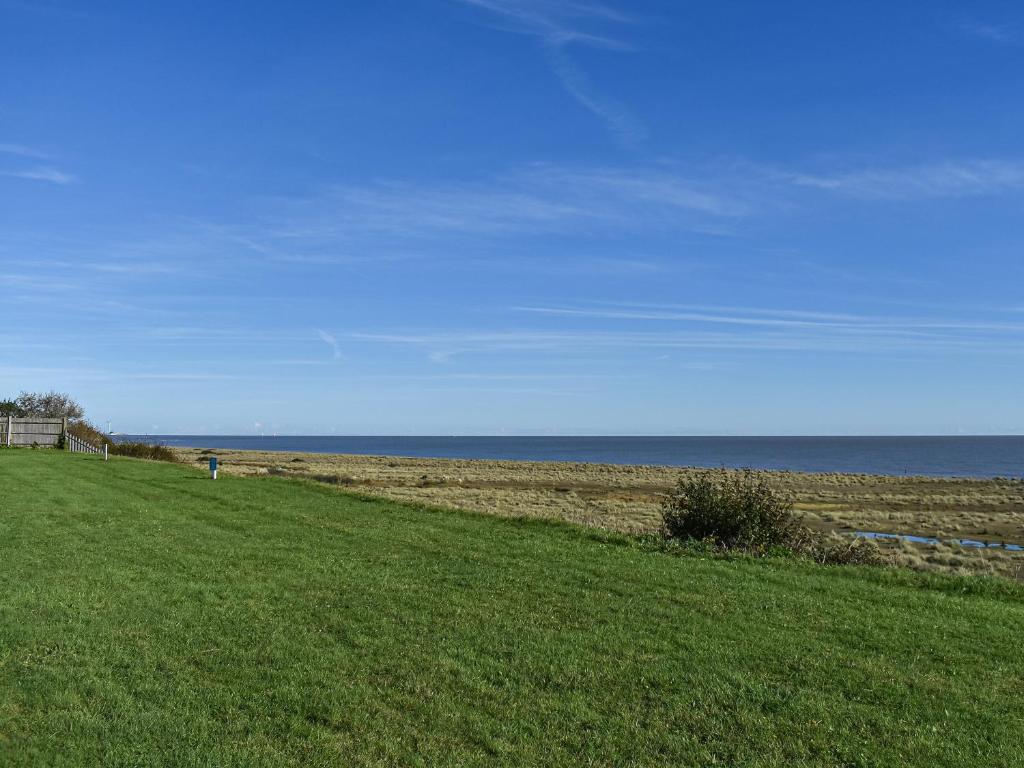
pixel 150 616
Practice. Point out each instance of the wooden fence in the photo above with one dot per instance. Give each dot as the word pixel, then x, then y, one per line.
pixel 31 430
pixel 35 430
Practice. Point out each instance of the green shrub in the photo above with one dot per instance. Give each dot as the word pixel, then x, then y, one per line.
pixel 719 511
pixel 83 430
pixel 143 451
pixel 733 511
pixel 843 550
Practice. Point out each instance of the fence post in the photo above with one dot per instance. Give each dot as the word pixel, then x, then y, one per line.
pixel 10 422
pixel 104 451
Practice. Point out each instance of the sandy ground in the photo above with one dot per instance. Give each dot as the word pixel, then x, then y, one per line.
pixel 628 498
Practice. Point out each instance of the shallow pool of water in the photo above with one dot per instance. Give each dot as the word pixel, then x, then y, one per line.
pixel 972 543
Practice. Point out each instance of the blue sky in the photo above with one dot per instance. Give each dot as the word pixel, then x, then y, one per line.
pixel 516 216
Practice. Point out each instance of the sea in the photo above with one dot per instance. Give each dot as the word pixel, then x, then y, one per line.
pixel 978 457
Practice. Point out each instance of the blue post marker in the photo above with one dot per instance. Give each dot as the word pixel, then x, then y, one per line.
pixel 213 467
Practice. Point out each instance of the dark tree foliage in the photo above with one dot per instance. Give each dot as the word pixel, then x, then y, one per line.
pixel 10 408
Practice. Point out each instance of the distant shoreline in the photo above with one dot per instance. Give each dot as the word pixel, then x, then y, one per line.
pixel 931 456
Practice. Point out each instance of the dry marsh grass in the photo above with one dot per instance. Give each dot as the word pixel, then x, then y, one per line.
pixel 628 498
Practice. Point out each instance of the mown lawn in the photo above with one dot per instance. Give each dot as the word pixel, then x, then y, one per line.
pixel 150 616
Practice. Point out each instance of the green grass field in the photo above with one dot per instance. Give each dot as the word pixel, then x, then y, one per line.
pixel 150 616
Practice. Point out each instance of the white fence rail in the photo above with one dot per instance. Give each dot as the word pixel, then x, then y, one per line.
pixel 78 445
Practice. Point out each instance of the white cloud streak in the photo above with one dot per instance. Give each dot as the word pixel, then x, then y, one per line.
pixel 568 343
pixel 1002 34
pixel 793 319
pixel 544 198
pixel 559 24
pixel 51 175
pixel 539 199
pixel 22 151
pixel 623 125
pixel 330 341
pixel 948 179
pixel 716 329
pixel 556 21
pixel 38 173
pixel 769 320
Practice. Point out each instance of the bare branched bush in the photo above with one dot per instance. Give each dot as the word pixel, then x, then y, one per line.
pixel 51 405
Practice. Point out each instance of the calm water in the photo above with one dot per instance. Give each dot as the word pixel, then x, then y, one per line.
pixel 949 456
pixel 970 543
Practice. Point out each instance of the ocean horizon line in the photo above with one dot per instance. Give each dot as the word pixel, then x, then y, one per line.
pixel 921 455
pixel 617 436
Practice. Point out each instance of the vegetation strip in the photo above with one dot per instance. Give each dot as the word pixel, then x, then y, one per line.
pixel 628 498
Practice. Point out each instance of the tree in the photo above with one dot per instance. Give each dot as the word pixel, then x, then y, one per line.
pixel 50 405
pixel 10 408
pixel 57 405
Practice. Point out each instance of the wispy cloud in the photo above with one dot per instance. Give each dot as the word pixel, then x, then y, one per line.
pixel 559 24
pixel 21 374
pixel 947 179
pixel 540 198
pixel 557 21
pixel 129 268
pixel 42 7
pixel 177 376
pixel 595 332
pixel 567 344
pixel 68 374
pixel 766 319
pixel 38 173
pixel 22 151
pixel 395 220
pixel 1002 34
pixel 585 264
pixel 330 341
pixel 550 198
pixel 791 319
pixel 620 121
pixel 42 174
